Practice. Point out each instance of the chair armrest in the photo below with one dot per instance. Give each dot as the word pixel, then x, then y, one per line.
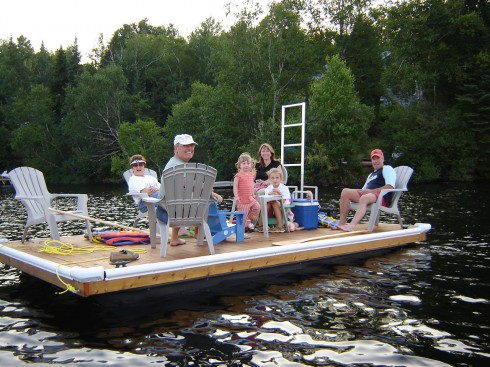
pixel 234 213
pixel 218 184
pixel 34 198
pixel 149 199
pixel 140 195
pixel 68 195
pixel 270 197
pixel 82 199
pixel 386 191
pixel 383 192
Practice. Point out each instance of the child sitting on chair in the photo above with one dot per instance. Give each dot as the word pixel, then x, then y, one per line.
pixel 277 188
pixel 243 189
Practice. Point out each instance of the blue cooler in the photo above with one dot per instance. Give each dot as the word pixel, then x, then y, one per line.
pixel 306 213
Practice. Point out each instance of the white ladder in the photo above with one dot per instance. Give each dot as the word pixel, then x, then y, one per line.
pixel 296 144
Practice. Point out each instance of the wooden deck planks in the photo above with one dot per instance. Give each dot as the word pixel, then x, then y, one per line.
pixel 190 250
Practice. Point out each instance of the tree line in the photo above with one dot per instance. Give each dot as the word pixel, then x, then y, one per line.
pixel 409 77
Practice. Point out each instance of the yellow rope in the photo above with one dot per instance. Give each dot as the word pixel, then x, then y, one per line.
pixel 62 248
pixel 68 286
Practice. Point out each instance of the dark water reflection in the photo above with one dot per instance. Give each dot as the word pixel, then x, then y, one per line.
pixel 424 305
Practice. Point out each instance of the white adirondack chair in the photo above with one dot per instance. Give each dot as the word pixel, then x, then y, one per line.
pixel 127 174
pixel 188 190
pixel 403 175
pixel 30 189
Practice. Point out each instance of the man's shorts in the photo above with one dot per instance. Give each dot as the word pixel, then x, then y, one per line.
pixel 383 201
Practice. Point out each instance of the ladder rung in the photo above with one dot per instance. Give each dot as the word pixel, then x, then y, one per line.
pixel 292 145
pixel 298 146
pixel 292 105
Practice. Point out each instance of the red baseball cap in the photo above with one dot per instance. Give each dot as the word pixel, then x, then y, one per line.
pixel 377 153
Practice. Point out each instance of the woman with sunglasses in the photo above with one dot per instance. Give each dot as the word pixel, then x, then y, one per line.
pixel 139 182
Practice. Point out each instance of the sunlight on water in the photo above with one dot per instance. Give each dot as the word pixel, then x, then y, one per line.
pixel 423 305
pixel 471 300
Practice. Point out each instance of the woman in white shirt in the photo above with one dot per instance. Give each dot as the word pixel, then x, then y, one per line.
pixel 139 182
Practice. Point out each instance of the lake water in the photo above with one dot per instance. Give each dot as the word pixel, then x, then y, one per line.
pixel 424 305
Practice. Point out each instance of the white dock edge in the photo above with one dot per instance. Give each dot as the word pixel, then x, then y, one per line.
pixel 210 260
pixel 98 273
pixel 76 273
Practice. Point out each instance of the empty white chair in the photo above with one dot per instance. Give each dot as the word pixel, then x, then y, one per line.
pixel 30 189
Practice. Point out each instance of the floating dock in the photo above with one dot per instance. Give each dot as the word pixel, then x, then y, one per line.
pixel 90 273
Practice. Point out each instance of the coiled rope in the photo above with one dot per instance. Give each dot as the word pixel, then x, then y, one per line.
pixel 57 247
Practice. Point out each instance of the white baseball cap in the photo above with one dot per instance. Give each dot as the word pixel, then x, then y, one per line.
pixel 138 161
pixel 184 139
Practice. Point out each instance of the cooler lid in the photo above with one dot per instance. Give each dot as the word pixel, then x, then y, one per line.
pixel 305 202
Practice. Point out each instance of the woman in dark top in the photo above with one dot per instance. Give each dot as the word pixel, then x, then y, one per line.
pixel 267 162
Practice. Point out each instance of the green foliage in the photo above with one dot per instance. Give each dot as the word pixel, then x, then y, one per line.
pixel 363 57
pixel 269 64
pixel 211 116
pixel 202 43
pixel 34 139
pixel 66 72
pixel 339 122
pixel 430 44
pixel 15 68
pixel 433 141
pixel 474 102
pixel 157 64
pixel 141 137
pixel 96 109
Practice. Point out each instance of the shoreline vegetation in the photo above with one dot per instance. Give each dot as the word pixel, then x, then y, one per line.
pixel 411 78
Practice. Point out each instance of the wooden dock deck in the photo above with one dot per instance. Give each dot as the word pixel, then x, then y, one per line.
pixel 91 274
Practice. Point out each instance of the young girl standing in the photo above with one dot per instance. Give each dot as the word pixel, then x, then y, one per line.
pixel 243 189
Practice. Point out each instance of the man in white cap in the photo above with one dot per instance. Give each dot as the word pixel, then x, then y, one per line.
pixel 383 177
pixel 184 146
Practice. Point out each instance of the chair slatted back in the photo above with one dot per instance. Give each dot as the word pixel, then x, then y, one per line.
pixel 188 190
pixel 403 175
pixel 29 182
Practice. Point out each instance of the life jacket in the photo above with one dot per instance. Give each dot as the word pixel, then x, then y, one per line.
pixel 326 221
pixel 114 238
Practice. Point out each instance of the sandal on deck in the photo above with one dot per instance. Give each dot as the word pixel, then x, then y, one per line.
pixel 123 255
pixel 276 230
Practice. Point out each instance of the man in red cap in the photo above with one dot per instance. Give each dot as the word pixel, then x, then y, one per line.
pixel 383 177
